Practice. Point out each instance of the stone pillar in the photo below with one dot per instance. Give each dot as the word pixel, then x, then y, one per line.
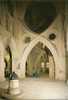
pixel 42 66
pixel 51 68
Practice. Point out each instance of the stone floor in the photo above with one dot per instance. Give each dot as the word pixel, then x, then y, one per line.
pixel 40 88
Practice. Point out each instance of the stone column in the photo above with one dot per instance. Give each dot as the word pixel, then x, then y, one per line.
pixel 51 68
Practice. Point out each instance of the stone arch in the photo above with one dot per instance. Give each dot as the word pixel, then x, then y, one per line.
pixel 31 45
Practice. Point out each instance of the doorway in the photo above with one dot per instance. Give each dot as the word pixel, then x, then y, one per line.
pixel 40 62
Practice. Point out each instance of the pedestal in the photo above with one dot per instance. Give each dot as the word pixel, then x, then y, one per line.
pixel 14 88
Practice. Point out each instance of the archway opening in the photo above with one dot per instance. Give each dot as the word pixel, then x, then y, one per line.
pixel 40 62
pixel 8 62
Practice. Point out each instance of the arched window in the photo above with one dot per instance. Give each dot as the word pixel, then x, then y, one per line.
pixel 39 15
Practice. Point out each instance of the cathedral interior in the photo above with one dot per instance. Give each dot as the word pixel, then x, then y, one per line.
pixel 33 49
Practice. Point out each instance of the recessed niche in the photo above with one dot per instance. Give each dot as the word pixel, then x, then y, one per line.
pixel 39 16
pixel 52 36
pixel 27 40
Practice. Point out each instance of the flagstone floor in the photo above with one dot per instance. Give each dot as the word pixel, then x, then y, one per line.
pixel 41 88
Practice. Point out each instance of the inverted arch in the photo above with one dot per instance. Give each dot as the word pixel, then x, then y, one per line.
pixel 32 44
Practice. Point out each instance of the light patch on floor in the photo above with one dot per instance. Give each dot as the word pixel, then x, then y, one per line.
pixel 44 89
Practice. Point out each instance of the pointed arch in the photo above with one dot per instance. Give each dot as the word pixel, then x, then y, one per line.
pixel 31 45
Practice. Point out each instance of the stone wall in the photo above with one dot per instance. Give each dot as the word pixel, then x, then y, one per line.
pixel 13 32
pixel 66 30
